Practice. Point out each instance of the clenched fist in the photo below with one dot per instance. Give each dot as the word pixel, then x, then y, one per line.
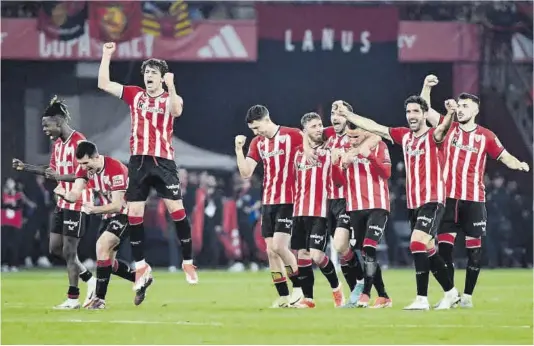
pixel 240 141
pixel 109 48
pixel 431 81
pixel 524 167
pixel 18 164
pixel 168 78
pixel 451 105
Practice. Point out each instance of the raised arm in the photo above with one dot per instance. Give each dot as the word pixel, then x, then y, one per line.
pixel 176 103
pixel 365 123
pixel 104 81
pixel 443 128
pixel 246 165
pixel 433 115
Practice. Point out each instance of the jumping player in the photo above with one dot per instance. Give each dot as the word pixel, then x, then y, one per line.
pixel 70 219
pixel 313 185
pixel 152 164
pixel 424 191
pixel 466 148
pixel 367 174
pixel 276 146
pixel 109 178
pixel 338 219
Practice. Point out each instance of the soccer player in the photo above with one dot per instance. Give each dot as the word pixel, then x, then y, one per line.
pixel 70 219
pixel 275 145
pixel 466 148
pixel 338 220
pixel 367 174
pixel 109 178
pixel 310 234
pixel 424 191
pixel 153 111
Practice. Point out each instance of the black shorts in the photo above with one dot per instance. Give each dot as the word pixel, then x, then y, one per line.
pixel 117 225
pixel 337 215
pixel 276 218
pixel 464 216
pixel 309 232
pixel 70 223
pixel 145 172
pixel 370 224
pixel 426 218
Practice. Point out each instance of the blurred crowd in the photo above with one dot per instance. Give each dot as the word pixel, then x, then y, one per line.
pixel 225 210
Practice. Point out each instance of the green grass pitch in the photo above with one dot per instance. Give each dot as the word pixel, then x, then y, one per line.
pixel 232 308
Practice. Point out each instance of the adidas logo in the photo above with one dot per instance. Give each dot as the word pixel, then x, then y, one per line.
pixel 226 44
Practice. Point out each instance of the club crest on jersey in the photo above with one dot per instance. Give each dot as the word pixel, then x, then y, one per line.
pixel 478 138
pixel 282 139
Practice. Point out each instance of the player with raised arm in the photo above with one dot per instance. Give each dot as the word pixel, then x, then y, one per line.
pixel 313 184
pixel 153 111
pixel 367 174
pixel 70 219
pixel 275 146
pixel 466 148
pixel 109 178
pixel 424 191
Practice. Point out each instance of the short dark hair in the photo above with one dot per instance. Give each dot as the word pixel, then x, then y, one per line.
pixel 306 118
pixel 256 112
pixel 158 64
pixel 86 148
pixel 467 96
pixel 417 99
pixel 57 107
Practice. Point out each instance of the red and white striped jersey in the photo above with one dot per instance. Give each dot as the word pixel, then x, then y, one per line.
pixel 423 161
pixel 152 123
pixel 278 155
pixel 112 177
pixel 367 180
pixel 312 183
pixel 63 161
pixel 335 141
pixel 465 161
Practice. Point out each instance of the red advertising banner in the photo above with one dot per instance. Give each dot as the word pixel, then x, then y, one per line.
pixel 232 40
pixel 115 21
pixel 438 41
pixel 327 28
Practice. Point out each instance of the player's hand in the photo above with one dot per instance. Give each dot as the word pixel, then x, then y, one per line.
pixel 524 167
pixel 339 108
pixel 51 174
pixel 240 142
pixel 109 48
pixel 89 208
pixel 59 190
pixel 168 78
pixel 431 81
pixel 451 105
pixel 311 156
pixel 364 151
pixel 336 154
pixel 347 158
pixel 18 164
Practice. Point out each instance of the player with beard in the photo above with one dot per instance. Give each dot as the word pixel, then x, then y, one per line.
pixel 312 186
pixel 338 220
pixel 70 219
pixel 422 148
pixel 109 178
pixel 275 146
pixel 153 111
pixel 466 148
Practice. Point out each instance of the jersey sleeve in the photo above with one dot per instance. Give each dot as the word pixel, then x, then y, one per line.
pixel 129 92
pixel 296 137
pixel 52 163
pixel 494 147
pixel 329 132
pixel 253 151
pixel 81 173
pixel 118 177
pixel 397 133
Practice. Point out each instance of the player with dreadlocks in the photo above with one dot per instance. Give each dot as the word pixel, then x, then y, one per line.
pixel 70 220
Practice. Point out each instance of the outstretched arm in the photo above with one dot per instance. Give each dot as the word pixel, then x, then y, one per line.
pixel 26 167
pixel 366 124
pixel 512 162
pixel 433 116
pixel 104 82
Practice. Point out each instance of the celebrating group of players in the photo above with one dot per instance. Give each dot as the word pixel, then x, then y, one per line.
pixel 318 182
pixel 322 182
pixel 81 171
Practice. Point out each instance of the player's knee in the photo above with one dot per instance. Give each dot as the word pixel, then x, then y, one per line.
pixel 174 206
pixel 69 252
pixel 279 246
pixel 303 254
pixel 420 237
pixel 105 245
pixel 369 260
pixel 341 241
pixel 474 251
pixel 271 254
pixel 136 209
pixel 317 256
pixel 55 249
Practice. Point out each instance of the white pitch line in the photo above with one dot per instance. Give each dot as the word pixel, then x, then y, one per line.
pixel 182 323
